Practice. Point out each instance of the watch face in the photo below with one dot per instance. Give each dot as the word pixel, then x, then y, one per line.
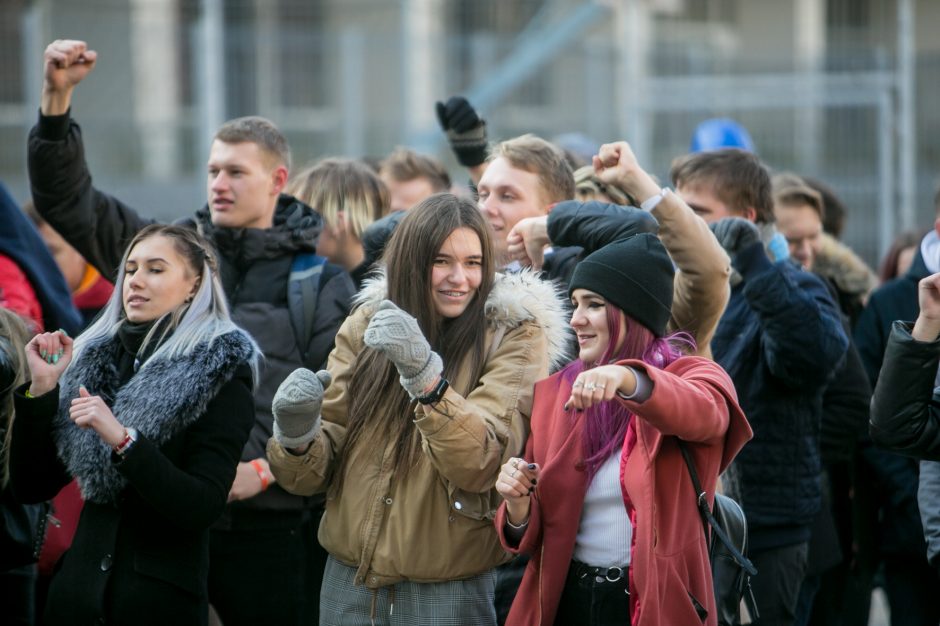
pixel 436 394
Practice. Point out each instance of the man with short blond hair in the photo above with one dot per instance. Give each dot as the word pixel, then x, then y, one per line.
pixel 524 177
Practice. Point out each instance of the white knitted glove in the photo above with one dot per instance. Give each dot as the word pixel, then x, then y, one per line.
pixel 296 406
pixel 396 334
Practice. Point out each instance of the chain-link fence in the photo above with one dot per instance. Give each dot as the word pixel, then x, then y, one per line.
pixel 821 84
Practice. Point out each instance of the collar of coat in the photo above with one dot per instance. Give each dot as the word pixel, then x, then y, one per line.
pixel 515 298
pixel 161 400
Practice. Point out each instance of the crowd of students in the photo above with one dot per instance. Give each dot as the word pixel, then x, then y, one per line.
pixel 360 394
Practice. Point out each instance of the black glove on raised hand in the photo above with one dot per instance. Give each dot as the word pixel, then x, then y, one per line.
pixel 466 132
pixel 741 239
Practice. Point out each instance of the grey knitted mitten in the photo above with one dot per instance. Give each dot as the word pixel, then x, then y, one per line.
pixel 396 334
pixel 296 406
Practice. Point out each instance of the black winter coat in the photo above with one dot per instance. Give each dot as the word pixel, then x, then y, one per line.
pixel 896 476
pixel 905 409
pixel 255 265
pixel 143 559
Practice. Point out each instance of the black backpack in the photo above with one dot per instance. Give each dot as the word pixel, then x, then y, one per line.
pixel 727 547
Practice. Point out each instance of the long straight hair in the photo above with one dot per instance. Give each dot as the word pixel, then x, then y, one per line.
pixel 13 338
pixel 202 320
pixel 380 410
pixel 605 424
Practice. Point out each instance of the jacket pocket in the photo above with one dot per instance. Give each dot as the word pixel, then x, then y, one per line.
pixel 699 609
pixel 478 506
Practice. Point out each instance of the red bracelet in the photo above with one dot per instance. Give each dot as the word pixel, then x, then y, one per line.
pixel 262 474
pixel 119 449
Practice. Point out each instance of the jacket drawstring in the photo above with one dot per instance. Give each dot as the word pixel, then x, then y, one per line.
pixel 375 598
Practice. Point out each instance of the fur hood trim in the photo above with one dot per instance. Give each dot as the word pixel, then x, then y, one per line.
pixel 161 400
pixel 841 265
pixel 516 298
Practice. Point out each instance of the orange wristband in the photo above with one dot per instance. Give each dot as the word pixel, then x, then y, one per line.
pixel 262 474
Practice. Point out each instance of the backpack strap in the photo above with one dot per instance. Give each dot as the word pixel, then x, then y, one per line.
pixel 708 519
pixel 303 288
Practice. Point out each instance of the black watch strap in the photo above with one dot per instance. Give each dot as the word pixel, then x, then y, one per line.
pixel 435 394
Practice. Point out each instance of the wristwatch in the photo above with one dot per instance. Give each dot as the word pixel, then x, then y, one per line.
pixel 435 395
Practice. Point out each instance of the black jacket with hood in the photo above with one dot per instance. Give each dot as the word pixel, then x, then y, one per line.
pixel 254 267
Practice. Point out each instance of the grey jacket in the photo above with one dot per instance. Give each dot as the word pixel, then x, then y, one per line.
pixel 928 500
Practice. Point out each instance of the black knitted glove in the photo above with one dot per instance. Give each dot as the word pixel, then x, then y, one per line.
pixel 742 241
pixel 466 132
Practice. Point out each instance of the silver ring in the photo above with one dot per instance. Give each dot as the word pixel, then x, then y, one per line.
pixel 578 383
pixel 590 387
pixel 601 386
pixel 515 471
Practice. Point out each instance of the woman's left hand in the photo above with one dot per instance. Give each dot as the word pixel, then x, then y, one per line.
pixel 599 385
pixel 88 411
pixel 396 334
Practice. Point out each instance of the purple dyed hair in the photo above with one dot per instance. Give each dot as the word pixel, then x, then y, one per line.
pixel 605 424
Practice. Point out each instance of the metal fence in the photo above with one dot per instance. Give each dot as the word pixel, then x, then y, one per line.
pixel 839 89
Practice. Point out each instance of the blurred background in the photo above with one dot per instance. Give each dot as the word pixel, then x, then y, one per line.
pixel 842 90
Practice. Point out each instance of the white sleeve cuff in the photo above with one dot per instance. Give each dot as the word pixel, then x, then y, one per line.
pixel 653 201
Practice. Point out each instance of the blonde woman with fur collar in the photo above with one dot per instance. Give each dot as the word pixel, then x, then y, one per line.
pixel 432 380
pixel 149 410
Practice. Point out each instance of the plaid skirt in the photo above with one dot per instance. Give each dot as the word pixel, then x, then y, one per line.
pixel 450 603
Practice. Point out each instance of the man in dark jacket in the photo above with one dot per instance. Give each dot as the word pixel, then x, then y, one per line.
pixel 780 339
pixel 837 564
pixel 909 582
pixel 265 562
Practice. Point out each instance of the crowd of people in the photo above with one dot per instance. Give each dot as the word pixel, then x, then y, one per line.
pixel 364 394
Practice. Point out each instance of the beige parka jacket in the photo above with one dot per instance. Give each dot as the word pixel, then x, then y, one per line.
pixel 435 524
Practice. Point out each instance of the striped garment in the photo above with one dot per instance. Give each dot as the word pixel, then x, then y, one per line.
pixel 451 603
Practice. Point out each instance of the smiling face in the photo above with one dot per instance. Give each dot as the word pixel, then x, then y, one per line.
pixel 157 280
pixel 589 321
pixel 242 185
pixel 508 194
pixel 456 273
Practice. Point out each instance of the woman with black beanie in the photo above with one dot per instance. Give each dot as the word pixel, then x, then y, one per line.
pixel 602 499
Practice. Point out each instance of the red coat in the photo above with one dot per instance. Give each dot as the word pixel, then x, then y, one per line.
pixel 692 398
pixel 17 294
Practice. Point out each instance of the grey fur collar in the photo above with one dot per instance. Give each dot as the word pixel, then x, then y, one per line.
pixel 515 298
pixel 161 400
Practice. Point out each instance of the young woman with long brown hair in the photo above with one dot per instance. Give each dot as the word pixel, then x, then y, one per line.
pixel 432 378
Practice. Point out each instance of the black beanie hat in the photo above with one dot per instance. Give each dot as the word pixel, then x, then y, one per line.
pixel 635 275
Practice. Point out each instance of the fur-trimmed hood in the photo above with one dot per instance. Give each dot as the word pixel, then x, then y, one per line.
pixel 162 399
pixel 841 265
pixel 516 298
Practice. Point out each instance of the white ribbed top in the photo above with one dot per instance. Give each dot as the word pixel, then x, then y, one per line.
pixel 605 533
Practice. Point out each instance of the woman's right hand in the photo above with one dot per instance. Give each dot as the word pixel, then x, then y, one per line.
pixel 927 325
pixel 516 482
pixel 47 356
